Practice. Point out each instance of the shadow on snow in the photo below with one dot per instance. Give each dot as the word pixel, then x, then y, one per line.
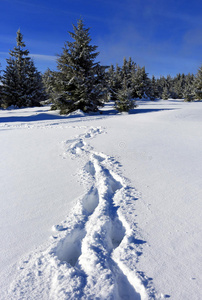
pixel 45 116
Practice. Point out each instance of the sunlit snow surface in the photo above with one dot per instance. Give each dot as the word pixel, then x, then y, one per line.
pixel 103 206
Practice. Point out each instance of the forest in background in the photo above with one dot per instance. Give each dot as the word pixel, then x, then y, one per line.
pixel 82 83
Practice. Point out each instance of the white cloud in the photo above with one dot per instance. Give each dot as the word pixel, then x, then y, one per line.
pixel 44 57
pixel 3 53
pixel 40 57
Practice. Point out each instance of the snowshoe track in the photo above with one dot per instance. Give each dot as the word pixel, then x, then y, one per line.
pixel 93 253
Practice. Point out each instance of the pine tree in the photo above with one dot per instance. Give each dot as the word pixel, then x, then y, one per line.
pixel 189 80
pixel 198 84
pixel 188 88
pixel 165 94
pixel 127 71
pixel 123 98
pixel 111 82
pixel 79 82
pixel 160 82
pixel 140 83
pixel 154 93
pixel 22 83
pixel 178 86
pixel 48 79
pixel 188 94
pixel 181 86
pixel 118 80
pixel 116 76
pixel 35 92
pixel 124 101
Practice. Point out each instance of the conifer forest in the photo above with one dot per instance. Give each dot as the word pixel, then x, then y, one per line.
pixel 81 82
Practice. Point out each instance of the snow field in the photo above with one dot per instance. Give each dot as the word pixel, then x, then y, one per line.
pixel 90 245
pixel 115 242
pixel 160 152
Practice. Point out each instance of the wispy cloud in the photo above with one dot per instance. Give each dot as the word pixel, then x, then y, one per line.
pixel 193 37
pixel 43 57
pixel 7 39
pixel 41 61
pixel 3 53
pixel 54 9
pixel 40 57
pixel 189 19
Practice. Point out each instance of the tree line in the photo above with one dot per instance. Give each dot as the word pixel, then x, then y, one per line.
pixel 82 83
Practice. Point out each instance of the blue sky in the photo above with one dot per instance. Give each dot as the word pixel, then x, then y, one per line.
pixel 165 36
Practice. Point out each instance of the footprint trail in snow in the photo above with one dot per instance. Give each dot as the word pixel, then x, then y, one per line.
pixel 94 252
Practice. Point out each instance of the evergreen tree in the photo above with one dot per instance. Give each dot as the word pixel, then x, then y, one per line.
pixel 188 94
pixel 178 86
pixel 189 80
pixel 22 83
pixel 79 82
pixel 154 93
pixel 169 83
pixel 198 84
pixel 127 71
pixel 124 70
pixel 116 77
pixel 48 79
pixel 161 83
pixel 188 88
pixel 112 82
pixel 140 83
pixel 124 101
pixel 165 94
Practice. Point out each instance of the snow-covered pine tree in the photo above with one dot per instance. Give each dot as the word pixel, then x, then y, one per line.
pixel 188 88
pixel 140 83
pixel 188 94
pixel 160 82
pixel 169 83
pixel 48 79
pixel 118 79
pixel 165 94
pixel 177 86
pixel 116 76
pixel 198 84
pixel 9 84
pixel 111 82
pixel 80 81
pixel 154 93
pixel 124 101
pixel 127 70
pixel 189 80
pixel 35 92
pixel 21 82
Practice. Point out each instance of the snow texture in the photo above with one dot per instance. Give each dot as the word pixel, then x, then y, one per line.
pixel 91 253
pixel 112 242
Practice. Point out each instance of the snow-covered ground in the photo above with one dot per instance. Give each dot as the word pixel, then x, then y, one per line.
pixel 103 206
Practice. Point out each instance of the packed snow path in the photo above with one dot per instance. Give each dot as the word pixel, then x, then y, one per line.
pixel 93 253
pixel 102 231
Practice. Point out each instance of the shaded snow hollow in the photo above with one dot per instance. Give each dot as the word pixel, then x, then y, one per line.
pixel 115 242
